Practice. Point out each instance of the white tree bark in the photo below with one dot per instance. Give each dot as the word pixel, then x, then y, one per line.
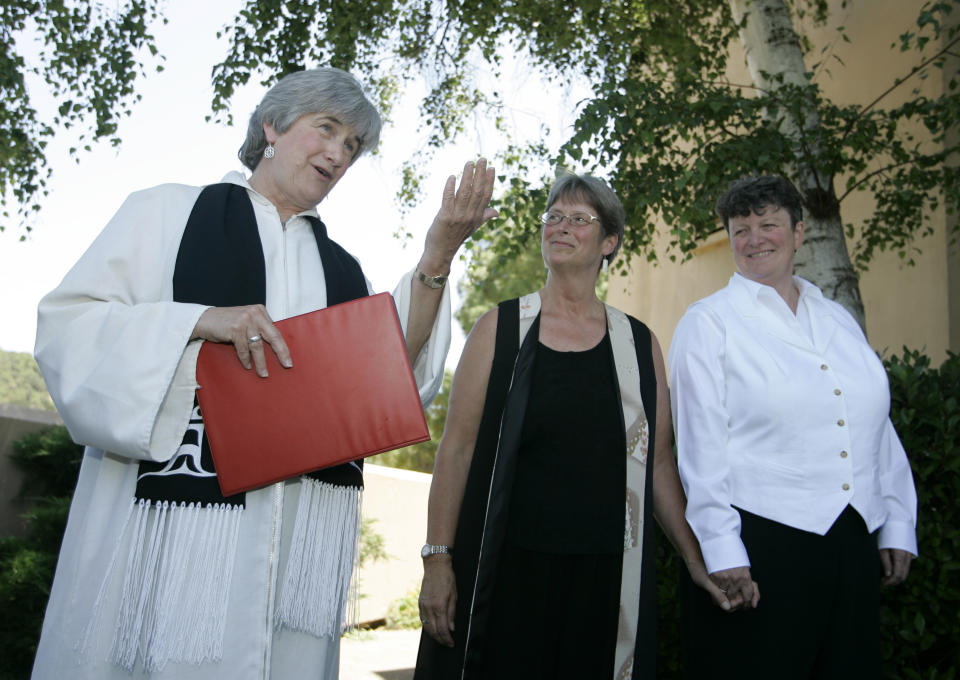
pixel 775 60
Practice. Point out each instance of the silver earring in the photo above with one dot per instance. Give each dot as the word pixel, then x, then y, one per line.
pixel 605 261
pixel 269 152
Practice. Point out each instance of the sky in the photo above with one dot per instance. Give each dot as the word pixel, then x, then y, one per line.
pixel 167 140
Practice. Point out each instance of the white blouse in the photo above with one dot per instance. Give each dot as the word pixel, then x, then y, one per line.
pixel 785 416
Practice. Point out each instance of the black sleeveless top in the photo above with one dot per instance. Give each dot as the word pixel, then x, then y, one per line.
pixel 568 494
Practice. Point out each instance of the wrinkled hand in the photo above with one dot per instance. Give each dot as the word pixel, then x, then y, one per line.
pixel 896 566
pixel 237 325
pixel 741 591
pixel 438 598
pixel 461 213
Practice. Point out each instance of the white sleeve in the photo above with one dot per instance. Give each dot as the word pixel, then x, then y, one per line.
pixel 112 347
pixel 899 530
pixel 697 396
pixel 428 368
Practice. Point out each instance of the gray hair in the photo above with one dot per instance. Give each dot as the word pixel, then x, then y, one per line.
pixel 599 196
pixel 319 90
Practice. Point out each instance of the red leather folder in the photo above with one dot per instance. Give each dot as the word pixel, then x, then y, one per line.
pixel 350 394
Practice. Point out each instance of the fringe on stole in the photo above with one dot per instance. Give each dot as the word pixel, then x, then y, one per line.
pixel 316 584
pixel 173 604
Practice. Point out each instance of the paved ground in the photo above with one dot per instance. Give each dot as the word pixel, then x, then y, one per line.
pixel 379 655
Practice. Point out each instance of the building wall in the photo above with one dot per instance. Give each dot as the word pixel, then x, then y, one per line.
pixel 915 306
pixel 396 501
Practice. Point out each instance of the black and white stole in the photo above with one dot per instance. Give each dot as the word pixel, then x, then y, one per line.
pixel 184 533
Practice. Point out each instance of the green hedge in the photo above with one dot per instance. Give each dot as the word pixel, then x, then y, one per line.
pixel 920 619
pixel 49 461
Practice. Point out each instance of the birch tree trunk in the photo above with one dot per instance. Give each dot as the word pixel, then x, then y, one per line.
pixel 775 60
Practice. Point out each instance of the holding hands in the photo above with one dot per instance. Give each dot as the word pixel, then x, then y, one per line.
pixel 741 591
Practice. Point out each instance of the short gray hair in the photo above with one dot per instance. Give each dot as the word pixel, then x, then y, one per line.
pixel 599 196
pixel 320 90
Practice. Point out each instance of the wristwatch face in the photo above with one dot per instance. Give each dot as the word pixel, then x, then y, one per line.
pixel 425 551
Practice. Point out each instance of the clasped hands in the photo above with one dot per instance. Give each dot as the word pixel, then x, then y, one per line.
pixel 743 593
pixel 740 590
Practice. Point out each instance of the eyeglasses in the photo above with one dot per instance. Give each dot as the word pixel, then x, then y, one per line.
pixel 576 219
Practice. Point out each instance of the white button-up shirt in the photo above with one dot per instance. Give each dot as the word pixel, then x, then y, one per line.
pixel 785 416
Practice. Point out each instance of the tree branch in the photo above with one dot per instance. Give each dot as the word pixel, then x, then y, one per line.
pixel 896 84
pixel 867 177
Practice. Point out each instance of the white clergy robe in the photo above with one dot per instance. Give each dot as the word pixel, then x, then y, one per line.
pixel 116 353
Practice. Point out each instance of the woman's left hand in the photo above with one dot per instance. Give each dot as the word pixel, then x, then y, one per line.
pixel 896 566
pixel 700 578
pixel 461 213
pixel 438 599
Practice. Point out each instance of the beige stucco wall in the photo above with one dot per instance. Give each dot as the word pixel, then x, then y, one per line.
pixel 916 306
pixel 397 502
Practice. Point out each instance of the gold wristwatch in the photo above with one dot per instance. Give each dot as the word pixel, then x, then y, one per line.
pixel 430 281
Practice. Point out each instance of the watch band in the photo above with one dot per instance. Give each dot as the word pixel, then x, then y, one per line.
pixel 430 281
pixel 429 549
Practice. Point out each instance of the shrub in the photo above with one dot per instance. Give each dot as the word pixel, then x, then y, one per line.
pixel 26 572
pixel 920 623
pixel 404 612
pixel 49 461
pixel 373 547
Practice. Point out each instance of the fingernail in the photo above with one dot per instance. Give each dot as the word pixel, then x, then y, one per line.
pixel 288 363
pixel 725 606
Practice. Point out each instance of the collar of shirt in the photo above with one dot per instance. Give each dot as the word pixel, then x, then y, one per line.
pixel 764 298
pixel 235 177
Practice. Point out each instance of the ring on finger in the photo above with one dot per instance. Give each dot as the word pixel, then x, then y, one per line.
pixel 254 338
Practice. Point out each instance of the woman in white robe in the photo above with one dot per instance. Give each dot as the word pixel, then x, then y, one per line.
pixel 119 357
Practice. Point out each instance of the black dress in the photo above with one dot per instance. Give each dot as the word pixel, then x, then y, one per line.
pixel 484 523
pixel 556 597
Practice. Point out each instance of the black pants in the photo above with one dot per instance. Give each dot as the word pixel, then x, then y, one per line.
pixel 818 615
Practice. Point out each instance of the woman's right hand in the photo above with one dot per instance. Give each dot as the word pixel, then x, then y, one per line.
pixel 240 325
pixel 438 598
